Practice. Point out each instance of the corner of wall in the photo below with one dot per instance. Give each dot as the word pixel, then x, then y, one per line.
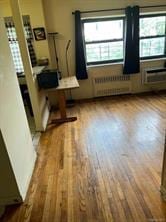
pixel 163 193
pixel 29 176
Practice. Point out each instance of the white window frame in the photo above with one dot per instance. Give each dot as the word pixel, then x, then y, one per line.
pixel 103 41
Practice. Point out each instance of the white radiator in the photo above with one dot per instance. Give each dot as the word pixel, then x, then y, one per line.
pixel 154 75
pixel 111 85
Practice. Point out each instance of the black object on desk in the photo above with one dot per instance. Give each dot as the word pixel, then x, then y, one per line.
pixel 48 79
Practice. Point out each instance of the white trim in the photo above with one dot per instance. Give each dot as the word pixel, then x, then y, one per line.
pixel 121 63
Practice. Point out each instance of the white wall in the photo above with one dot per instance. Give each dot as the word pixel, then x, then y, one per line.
pixel 13 121
pixel 35 10
pixel 8 187
pixel 59 18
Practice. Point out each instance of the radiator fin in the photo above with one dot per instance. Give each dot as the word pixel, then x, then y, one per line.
pixel 111 85
pixel 116 91
pixel 105 79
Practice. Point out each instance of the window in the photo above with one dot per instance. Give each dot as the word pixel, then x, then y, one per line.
pixel 14 46
pixel 152 36
pixel 15 50
pixel 103 40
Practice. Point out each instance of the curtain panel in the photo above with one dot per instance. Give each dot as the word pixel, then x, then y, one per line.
pixel 131 41
pixel 81 71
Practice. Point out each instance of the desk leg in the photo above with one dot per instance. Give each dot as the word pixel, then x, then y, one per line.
pixel 62 103
pixel 62 108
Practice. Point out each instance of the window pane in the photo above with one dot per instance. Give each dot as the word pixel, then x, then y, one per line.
pixel 15 50
pixel 104 51
pixel 152 26
pixel 152 47
pixel 103 30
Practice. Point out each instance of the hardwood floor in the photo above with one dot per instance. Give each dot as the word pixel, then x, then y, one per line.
pixel 106 166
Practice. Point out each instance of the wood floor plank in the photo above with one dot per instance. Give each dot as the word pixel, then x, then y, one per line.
pixel 104 167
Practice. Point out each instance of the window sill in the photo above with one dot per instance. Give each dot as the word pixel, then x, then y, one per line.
pixel 106 64
pixel 153 60
pixel 121 63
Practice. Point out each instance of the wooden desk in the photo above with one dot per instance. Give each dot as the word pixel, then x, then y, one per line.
pixel 64 84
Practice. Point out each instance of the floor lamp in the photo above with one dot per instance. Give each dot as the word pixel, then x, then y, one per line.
pixel 70 101
pixel 53 35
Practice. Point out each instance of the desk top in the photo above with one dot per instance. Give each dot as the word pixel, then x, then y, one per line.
pixel 66 83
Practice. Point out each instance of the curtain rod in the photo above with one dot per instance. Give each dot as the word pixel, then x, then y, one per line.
pixel 119 9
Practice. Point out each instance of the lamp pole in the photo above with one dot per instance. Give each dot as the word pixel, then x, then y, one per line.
pixel 53 34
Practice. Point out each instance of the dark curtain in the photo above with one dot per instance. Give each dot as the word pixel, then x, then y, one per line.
pixel 81 71
pixel 131 41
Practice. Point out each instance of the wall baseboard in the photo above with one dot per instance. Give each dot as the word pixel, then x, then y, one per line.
pixel 45 116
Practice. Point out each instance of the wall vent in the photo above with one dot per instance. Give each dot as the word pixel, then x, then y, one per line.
pixel 111 85
pixel 154 75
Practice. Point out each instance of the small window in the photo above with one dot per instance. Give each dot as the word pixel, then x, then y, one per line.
pixel 14 46
pixel 152 36
pixel 103 40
